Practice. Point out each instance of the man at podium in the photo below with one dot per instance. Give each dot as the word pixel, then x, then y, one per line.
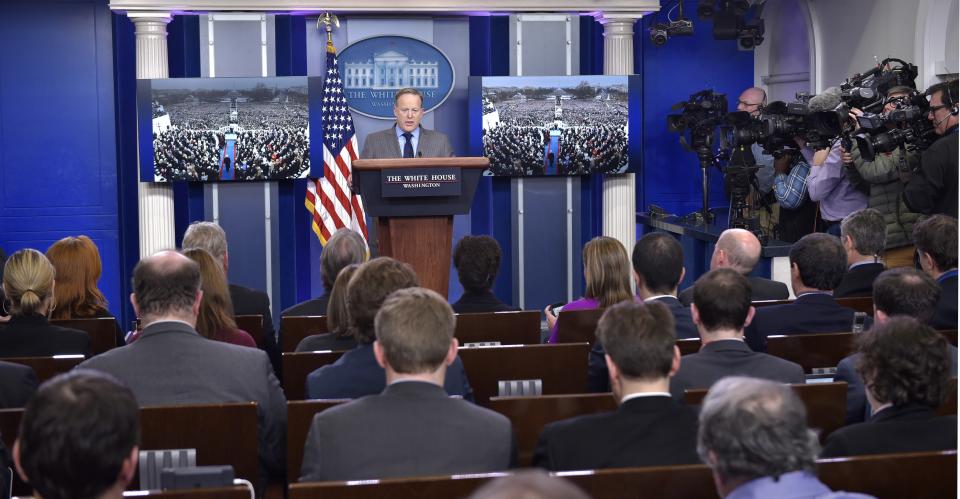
pixel 407 139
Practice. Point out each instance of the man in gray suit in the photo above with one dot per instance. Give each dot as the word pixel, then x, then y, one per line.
pixel 170 363
pixel 407 139
pixel 412 428
pixel 721 309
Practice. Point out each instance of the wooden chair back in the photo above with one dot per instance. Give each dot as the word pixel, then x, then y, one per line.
pixel 923 475
pixel 509 328
pixel 562 367
pixel 688 346
pixel 298 365
pixel 102 331
pixel 577 326
pixel 252 324
pixel 826 404
pixel 296 328
pixel 300 415
pixel 529 415
pixel 813 351
pixel 48 367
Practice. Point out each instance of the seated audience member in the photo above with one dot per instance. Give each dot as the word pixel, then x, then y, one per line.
pixel 172 364
pixel 3 298
pixel 345 247
pixel 899 291
pixel 76 261
pixel 649 428
pixel 211 237
pixel 529 485
pixel 79 437
pixel 936 240
pixel 863 235
pixel 215 320
pixel 817 265
pixel 754 435
pixel 357 373
pixel 477 260
pixel 739 249
pixel 413 427
pixel 606 270
pixel 17 384
pixel 721 308
pixel 340 336
pixel 906 369
pixel 28 282
pixel 657 270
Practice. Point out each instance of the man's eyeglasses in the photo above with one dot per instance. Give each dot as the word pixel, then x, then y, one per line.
pixel 749 104
pixel 934 109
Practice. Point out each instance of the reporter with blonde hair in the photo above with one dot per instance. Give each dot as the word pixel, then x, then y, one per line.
pixel 28 283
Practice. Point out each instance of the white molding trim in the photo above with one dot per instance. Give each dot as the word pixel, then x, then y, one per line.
pixel 635 7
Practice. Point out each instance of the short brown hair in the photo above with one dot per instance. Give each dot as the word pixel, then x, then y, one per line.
pixel 639 338
pixel 722 298
pixel 407 91
pixel 415 327
pixel 477 260
pixel 937 237
pixel 161 287
pixel 904 361
pixel 369 286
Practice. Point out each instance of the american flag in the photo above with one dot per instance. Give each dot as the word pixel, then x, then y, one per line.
pixel 329 199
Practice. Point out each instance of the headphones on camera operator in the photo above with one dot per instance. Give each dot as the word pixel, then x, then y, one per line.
pixel 948 91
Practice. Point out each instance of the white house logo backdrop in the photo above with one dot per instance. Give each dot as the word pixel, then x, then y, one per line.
pixel 373 69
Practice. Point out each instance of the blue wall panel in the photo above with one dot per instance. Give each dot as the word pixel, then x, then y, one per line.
pixel 58 163
pixel 671 175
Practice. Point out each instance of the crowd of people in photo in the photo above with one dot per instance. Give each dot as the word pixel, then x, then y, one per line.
pixel 272 141
pixel 593 136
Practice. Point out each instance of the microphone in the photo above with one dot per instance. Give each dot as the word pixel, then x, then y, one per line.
pixel 419 154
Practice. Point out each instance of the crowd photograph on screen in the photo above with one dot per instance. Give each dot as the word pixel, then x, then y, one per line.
pixel 563 125
pixel 230 129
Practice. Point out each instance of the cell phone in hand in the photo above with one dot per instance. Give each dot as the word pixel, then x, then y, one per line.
pixel 556 308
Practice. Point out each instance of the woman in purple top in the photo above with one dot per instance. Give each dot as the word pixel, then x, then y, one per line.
pixel 606 268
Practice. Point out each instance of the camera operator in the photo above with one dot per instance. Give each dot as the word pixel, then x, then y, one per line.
pixel 828 183
pixel 752 101
pixel 886 183
pixel 933 189
pixel 798 215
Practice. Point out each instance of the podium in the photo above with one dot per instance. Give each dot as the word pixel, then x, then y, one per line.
pixel 414 201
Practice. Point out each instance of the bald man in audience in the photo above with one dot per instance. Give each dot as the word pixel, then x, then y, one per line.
pixel 936 240
pixel 721 309
pixel 739 250
pixel 863 234
pixel 896 292
pixel 649 428
pixel 817 265
pixel 906 367
pixel 172 364
pixel 412 427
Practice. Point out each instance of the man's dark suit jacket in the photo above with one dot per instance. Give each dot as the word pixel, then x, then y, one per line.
pixel 910 428
pixel 170 364
pixel 356 374
pixel 34 336
pixel 248 301
pixel 858 281
pixel 856 393
pixel 598 376
pixel 412 428
pixel 761 289
pixel 946 314
pixel 315 306
pixel 722 358
pixel 644 431
pixel 809 313
pixel 473 303
pixel 17 385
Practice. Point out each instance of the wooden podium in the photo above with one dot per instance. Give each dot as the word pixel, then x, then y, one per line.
pixel 417 227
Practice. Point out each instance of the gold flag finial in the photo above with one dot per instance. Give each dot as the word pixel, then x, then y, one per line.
pixel 329 21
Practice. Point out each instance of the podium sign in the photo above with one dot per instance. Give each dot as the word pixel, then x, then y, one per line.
pixel 420 182
pixel 414 200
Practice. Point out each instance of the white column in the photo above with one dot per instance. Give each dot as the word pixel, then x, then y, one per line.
pixel 155 200
pixel 619 191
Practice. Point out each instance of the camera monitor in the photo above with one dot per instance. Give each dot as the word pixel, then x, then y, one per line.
pixel 554 125
pixel 224 129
